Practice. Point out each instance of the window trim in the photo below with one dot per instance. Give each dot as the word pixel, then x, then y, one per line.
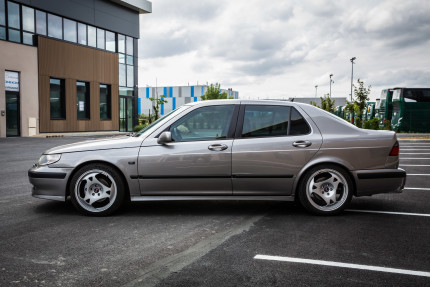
pixel 241 120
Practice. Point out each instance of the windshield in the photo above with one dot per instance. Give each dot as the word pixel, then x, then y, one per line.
pixel 165 117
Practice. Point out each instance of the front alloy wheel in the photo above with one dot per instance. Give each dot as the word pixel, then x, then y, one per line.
pixel 326 190
pixel 97 190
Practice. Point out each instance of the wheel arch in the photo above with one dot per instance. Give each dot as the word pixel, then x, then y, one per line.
pixel 127 189
pixel 339 163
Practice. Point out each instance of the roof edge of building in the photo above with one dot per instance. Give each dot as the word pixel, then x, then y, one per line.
pixel 141 6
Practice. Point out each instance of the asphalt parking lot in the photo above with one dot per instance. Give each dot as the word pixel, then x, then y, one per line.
pixel 382 240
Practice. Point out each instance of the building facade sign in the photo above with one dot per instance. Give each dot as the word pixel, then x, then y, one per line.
pixel 11 81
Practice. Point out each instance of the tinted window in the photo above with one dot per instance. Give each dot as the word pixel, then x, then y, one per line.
pixel 56 94
pixel 40 22
pixel 55 26
pixel 207 123
pixel 83 100
pixel 2 13
pixel 14 36
pixel 263 121
pixel 2 33
pixel 82 34
pixel 13 15
pixel 299 126
pixel 70 33
pixel 28 19
pixel 105 102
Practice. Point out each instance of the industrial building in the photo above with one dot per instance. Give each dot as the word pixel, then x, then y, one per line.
pixel 69 65
pixel 175 97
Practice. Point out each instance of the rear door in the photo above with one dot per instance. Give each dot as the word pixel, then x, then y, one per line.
pixel 272 144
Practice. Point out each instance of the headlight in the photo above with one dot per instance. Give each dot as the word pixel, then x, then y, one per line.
pixel 46 159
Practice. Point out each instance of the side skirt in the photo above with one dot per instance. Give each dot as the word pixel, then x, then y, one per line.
pixel 209 197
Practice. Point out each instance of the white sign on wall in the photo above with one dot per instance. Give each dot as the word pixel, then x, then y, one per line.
pixel 11 81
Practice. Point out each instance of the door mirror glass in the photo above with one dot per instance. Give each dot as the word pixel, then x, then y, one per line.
pixel 165 137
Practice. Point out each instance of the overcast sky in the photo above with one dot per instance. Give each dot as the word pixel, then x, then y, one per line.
pixel 281 49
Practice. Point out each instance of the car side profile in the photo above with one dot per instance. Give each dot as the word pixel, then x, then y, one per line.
pixel 226 150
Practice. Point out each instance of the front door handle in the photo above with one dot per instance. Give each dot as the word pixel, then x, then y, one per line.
pixel 217 147
pixel 302 143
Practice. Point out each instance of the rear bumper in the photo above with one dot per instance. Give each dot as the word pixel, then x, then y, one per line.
pixel 49 183
pixel 374 181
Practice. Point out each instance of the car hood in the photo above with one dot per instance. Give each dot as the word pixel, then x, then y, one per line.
pixel 108 143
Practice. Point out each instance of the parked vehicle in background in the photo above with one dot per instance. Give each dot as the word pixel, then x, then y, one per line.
pixel 369 113
pixel 411 110
pixel 226 150
pixel 339 112
pixel 385 107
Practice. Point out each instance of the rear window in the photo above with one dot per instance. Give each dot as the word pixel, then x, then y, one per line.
pixel 269 121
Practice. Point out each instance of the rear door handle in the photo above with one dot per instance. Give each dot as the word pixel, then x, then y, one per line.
pixel 217 147
pixel 302 143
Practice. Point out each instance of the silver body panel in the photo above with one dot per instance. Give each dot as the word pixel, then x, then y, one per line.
pixel 266 168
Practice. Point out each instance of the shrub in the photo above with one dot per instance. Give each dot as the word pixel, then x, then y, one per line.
pixel 138 128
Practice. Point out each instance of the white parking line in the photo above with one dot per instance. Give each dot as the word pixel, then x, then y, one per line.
pixel 417 188
pixel 388 212
pixel 343 265
pixel 415 165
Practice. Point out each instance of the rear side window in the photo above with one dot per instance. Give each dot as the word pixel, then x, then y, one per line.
pixel 269 121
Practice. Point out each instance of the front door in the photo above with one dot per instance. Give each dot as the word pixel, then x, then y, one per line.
pixel 198 161
pixel 12 114
pixel 125 114
pixel 270 148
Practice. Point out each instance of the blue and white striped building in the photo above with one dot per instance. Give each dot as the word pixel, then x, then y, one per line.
pixel 175 97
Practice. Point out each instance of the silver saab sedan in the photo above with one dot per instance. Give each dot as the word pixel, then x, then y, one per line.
pixel 226 150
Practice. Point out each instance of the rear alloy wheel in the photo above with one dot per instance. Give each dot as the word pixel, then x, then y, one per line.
pixel 97 190
pixel 326 190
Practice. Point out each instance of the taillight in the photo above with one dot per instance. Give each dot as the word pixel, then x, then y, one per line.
pixel 395 150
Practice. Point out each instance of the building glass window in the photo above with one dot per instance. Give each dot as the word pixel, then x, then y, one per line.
pixel 130 76
pixel 14 35
pixel 13 15
pixel 55 26
pixel 121 43
pixel 100 38
pixel 121 58
pixel 110 41
pixel 105 102
pixel 92 36
pixel 40 22
pixel 130 60
pixel 27 38
pixel 129 46
pixel 28 19
pixel 82 34
pixel 70 33
pixel 122 75
pixel 2 13
pixel 83 100
pixel 56 96
pixel 2 33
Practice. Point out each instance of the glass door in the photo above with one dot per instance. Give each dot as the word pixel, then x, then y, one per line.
pixel 125 114
pixel 12 114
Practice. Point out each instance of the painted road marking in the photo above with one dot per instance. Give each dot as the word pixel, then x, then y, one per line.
pixel 388 212
pixel 343 265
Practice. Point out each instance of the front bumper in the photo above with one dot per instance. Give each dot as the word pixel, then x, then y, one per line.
pixel 49 183
pixel 374 181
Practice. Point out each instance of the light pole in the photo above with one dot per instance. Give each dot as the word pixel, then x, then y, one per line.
pixel 331 81
pixel 316 90
pixel 352 73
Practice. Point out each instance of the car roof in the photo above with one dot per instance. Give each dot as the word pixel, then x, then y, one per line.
pixel 240 101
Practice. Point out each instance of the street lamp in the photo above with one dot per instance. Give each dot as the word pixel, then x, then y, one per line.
pixel 331 81
pixel 352 73
pixel 316 89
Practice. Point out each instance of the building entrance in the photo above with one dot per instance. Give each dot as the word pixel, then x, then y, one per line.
pixel 125 114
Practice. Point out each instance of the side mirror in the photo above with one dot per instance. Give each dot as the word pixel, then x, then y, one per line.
pixel 165 137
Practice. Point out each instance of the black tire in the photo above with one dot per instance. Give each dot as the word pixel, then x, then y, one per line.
pixel 97 190
pixel 325 190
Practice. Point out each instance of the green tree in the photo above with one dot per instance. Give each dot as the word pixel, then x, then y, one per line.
pixel 156 102
pixel 327 104
pixel 213 92
pixel 361 95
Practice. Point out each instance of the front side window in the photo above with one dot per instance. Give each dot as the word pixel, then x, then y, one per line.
pixel 105 102
pixel 265 121
pixel 207 123
pixel 57 101
pixel 83 100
